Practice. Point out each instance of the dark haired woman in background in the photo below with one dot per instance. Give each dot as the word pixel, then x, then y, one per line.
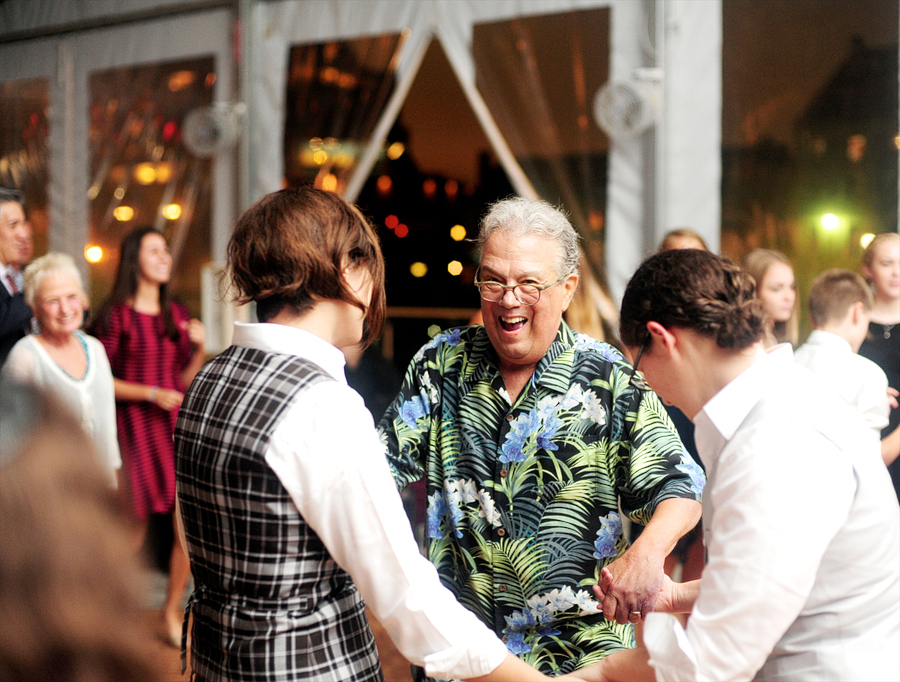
pixel 155 350
pixel 783 454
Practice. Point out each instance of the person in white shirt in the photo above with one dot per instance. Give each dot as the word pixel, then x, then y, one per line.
pixel 62 359
pixel 289 510
pixel 800 520
pixel 839 305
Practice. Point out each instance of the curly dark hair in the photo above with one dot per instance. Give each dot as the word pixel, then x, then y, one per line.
pixel 694 290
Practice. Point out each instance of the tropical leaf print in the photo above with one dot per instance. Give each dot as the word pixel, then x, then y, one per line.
pixel 523 498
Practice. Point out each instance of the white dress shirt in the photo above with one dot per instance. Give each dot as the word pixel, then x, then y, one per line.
pixel 858 380
pixel 326 453
pixel 6 273
pixel 802 530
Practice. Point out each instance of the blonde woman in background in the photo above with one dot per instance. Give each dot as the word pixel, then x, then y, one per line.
pixel 776 288
pixel 64 360
pixel 881 268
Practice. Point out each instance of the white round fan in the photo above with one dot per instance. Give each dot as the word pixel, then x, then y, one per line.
pixel 211 130
pixel 625 110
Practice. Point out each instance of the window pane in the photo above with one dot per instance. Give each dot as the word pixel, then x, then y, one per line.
pixel 538 75
pixel 141 171
pixel 809 128
pixel 23 149
pixel 336 92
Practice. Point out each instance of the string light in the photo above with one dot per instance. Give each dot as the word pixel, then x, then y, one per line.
pixel 172 211
pixel 123 213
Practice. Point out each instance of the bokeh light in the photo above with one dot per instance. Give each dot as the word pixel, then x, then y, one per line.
pixel 123 213
pixel 330 182
pixel 457 233
pixel 145 173
pixel 395 151
pixel 401 230
pixel 830 221
pixel 93 254
pixel 455 268
pixel 418 269
pixel 172 211
pixel 866 239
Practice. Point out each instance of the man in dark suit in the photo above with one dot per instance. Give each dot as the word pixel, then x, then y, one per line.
pixel 15 251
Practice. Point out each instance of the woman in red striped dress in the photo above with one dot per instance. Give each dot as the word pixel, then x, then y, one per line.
pixel 155 350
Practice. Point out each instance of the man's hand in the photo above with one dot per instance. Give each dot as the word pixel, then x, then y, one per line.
pixel 630 586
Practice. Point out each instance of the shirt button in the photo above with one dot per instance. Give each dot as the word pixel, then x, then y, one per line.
pixel 501 588
pixel 501 532
pixel 509 417
pixel 503 473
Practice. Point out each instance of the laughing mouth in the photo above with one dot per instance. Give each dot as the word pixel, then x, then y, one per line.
pixel 512 324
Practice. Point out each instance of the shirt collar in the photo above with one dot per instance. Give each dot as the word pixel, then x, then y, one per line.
pixel 823 339
pixel 723 414
pixel 279 338
pixel 484 365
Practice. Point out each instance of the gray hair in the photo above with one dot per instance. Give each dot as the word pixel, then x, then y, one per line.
pixel 522 216
pixel 7 195
pixel 35 273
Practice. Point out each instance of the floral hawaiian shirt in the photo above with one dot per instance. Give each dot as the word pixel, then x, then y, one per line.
pixel 524 497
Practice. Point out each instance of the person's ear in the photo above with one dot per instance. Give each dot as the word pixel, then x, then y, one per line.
pixel 570 284
pixel 662 337
pixel 857 311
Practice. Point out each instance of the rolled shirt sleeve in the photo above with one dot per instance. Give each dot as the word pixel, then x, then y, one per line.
pixel 328 456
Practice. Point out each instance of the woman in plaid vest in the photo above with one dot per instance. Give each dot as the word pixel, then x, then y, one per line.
pixel 290 514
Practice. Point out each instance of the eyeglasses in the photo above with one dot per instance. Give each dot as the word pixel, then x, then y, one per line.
pixel 637 360
pixel 526 294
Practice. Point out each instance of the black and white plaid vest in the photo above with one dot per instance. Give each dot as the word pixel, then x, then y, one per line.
pixel 269 602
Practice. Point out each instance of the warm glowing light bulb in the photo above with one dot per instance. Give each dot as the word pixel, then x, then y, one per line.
pixel 454 267
pixel 830 221
pixel 93 254
pixel 457 233
pixel 145 173
pixel 172 211
pixel 418 269
pixel 329 182
pixel 866 239
pixel 395 151
pixel 123 213
pixel 384 184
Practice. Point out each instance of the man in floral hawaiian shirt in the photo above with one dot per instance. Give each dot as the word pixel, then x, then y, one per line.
pixel 531 438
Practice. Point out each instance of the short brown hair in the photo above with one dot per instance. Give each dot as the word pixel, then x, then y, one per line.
pixel 832 294
pixel 288 250
pixel 681 233
pixel 696 290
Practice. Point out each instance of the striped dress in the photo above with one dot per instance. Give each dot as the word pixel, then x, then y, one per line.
pixel 139 352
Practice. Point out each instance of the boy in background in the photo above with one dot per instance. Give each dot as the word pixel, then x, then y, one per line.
pixel 839 305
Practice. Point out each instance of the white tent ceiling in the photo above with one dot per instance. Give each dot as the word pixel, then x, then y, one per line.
pixel 667 177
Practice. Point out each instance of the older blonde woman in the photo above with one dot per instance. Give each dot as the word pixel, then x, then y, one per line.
pixel 61 358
